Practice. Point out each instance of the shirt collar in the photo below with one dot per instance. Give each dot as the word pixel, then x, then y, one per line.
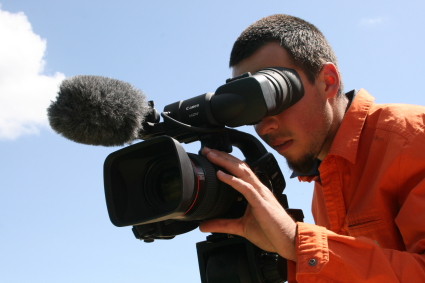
pixel 346 141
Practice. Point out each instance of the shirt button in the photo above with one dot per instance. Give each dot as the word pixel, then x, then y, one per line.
pixel 312 262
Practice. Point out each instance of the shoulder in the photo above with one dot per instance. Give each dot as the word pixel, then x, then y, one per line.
pixel 403 119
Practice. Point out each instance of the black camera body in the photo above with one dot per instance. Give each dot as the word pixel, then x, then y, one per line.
pixel 163 191
pixel 156 182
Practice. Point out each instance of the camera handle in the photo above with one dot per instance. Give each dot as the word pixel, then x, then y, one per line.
pixel 225 258
pixel 228 259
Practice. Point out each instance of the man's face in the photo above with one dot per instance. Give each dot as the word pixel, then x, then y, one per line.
pixel 301 132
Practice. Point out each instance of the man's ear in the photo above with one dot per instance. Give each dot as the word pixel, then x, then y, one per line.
pixel 331 79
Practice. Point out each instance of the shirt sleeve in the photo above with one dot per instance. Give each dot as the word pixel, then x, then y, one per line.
pixel 324 256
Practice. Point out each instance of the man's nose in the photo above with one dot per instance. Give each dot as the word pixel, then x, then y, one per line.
pixel 267 125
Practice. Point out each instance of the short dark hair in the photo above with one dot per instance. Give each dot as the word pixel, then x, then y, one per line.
pixel 305 43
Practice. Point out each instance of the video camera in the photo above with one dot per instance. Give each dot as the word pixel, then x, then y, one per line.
pixel 163 191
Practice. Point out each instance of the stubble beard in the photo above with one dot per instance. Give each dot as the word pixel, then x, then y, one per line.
pixel 303 165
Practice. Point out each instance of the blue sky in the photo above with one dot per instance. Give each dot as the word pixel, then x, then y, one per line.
pixel 54 225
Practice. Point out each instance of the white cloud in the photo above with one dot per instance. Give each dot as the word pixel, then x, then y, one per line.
pixel 25 92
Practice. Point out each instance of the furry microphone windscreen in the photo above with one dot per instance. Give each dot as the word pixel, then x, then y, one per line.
pixel 97 110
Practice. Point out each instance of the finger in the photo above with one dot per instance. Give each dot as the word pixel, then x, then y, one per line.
pixel 237 227
pixel 228 226
pixel 245 188
pixel 241 177
pixel 232 164
pixel 219 155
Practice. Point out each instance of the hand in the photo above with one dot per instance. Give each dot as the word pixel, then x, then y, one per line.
pixel 265 223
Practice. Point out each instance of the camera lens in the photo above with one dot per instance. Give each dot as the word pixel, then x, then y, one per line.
pixel 163 185
pixel 158 180
pixel 168 186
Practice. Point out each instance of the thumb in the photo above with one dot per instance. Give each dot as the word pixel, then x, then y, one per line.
pixel 227 226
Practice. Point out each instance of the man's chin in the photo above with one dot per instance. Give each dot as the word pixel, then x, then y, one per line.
pixel 304 165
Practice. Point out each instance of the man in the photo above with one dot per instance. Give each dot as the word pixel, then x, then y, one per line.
pixel 369 197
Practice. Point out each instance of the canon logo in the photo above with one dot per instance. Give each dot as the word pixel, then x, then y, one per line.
pixel 192 107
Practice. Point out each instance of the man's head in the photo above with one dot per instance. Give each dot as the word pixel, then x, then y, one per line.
pixel 304 42
pixel 304 132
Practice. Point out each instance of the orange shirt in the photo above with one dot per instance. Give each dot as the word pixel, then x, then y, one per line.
pixel 369 203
